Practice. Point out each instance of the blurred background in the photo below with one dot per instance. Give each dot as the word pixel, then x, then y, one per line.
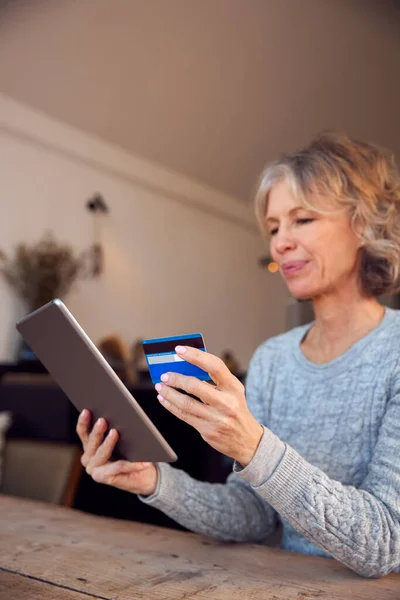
pixel 132 134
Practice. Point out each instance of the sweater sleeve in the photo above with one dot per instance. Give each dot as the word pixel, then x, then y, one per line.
pixel 358 526
pixel 233 511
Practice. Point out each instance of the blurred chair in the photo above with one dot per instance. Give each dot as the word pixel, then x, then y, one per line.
pixel 139 362
pixel 35 378
pixel 39 470
pixel 5 424
pixel 230 361
pixel 118 355
pixel 390 300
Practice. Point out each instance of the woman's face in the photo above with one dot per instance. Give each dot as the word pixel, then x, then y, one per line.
pixel 317 254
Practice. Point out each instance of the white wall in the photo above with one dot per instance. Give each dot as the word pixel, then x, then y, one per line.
pixel 211 88
pixel 179 257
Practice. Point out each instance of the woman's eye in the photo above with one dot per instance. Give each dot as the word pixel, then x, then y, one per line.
pixel 303 221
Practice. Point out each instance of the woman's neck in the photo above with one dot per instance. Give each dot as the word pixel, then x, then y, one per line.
pixel 340 323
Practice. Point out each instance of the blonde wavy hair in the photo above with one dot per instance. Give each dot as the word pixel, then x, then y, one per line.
pixel 360 177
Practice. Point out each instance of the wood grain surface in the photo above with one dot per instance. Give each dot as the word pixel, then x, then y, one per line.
pixel 53 552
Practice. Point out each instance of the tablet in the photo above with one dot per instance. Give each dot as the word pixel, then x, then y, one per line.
pixel 87 379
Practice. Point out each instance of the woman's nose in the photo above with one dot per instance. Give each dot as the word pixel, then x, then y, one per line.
pixel 283 241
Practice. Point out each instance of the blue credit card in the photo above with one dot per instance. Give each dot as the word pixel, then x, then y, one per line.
pixel 161 356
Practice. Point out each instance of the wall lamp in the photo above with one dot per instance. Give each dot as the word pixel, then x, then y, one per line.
pixel 97 206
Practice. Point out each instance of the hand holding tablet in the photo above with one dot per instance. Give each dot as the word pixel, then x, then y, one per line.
pixel 135 477
pixel 87 379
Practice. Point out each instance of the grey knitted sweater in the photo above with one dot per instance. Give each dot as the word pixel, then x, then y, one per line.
pixel 328 464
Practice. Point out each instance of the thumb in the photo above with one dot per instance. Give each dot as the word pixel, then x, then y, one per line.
pixel 125 466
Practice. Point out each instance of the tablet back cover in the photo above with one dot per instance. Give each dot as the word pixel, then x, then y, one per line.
pixel 87 379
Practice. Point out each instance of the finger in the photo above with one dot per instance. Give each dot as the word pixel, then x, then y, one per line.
pixel 201 389
pixel 105 450
pixel 124 466
pixel 186 409
pixel 108 472
pixel 96 437
pixel 183 402
pixel 210 363
pixel 195 422
pixel 83 426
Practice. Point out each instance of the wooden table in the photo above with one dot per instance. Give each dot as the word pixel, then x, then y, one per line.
pixel 50 552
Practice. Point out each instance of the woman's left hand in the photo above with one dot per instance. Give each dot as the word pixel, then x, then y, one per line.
pixel 222 417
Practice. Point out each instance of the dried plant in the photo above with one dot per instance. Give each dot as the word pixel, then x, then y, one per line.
pixel 45 270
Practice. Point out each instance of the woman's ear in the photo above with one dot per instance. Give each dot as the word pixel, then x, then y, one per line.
pixel 361 241
pixel 359 231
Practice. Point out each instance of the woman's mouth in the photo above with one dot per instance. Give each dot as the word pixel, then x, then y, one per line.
pixel 292 267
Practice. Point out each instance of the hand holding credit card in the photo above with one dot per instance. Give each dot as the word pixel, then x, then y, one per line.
pixel 161 356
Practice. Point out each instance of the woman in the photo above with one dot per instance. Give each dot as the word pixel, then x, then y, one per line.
pixel 316 434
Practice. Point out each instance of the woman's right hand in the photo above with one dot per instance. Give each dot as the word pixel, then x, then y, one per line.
pixel 136 477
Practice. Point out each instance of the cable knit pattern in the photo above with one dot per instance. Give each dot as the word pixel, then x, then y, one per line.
pixel 328 464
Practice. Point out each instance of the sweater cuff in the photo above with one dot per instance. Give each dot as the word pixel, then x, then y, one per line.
pixel 288 483
pixel 148 499
pixel 163 497
pixel 266 459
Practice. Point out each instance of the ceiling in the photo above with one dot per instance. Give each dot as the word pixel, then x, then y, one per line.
pixel 209 88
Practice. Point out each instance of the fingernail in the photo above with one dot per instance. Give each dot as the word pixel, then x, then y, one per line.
pixel 160 398
pixel 158 387
pixel 99 420
pixel 180 349
pixel 84 412
pixel 111 432
pixel 164 377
